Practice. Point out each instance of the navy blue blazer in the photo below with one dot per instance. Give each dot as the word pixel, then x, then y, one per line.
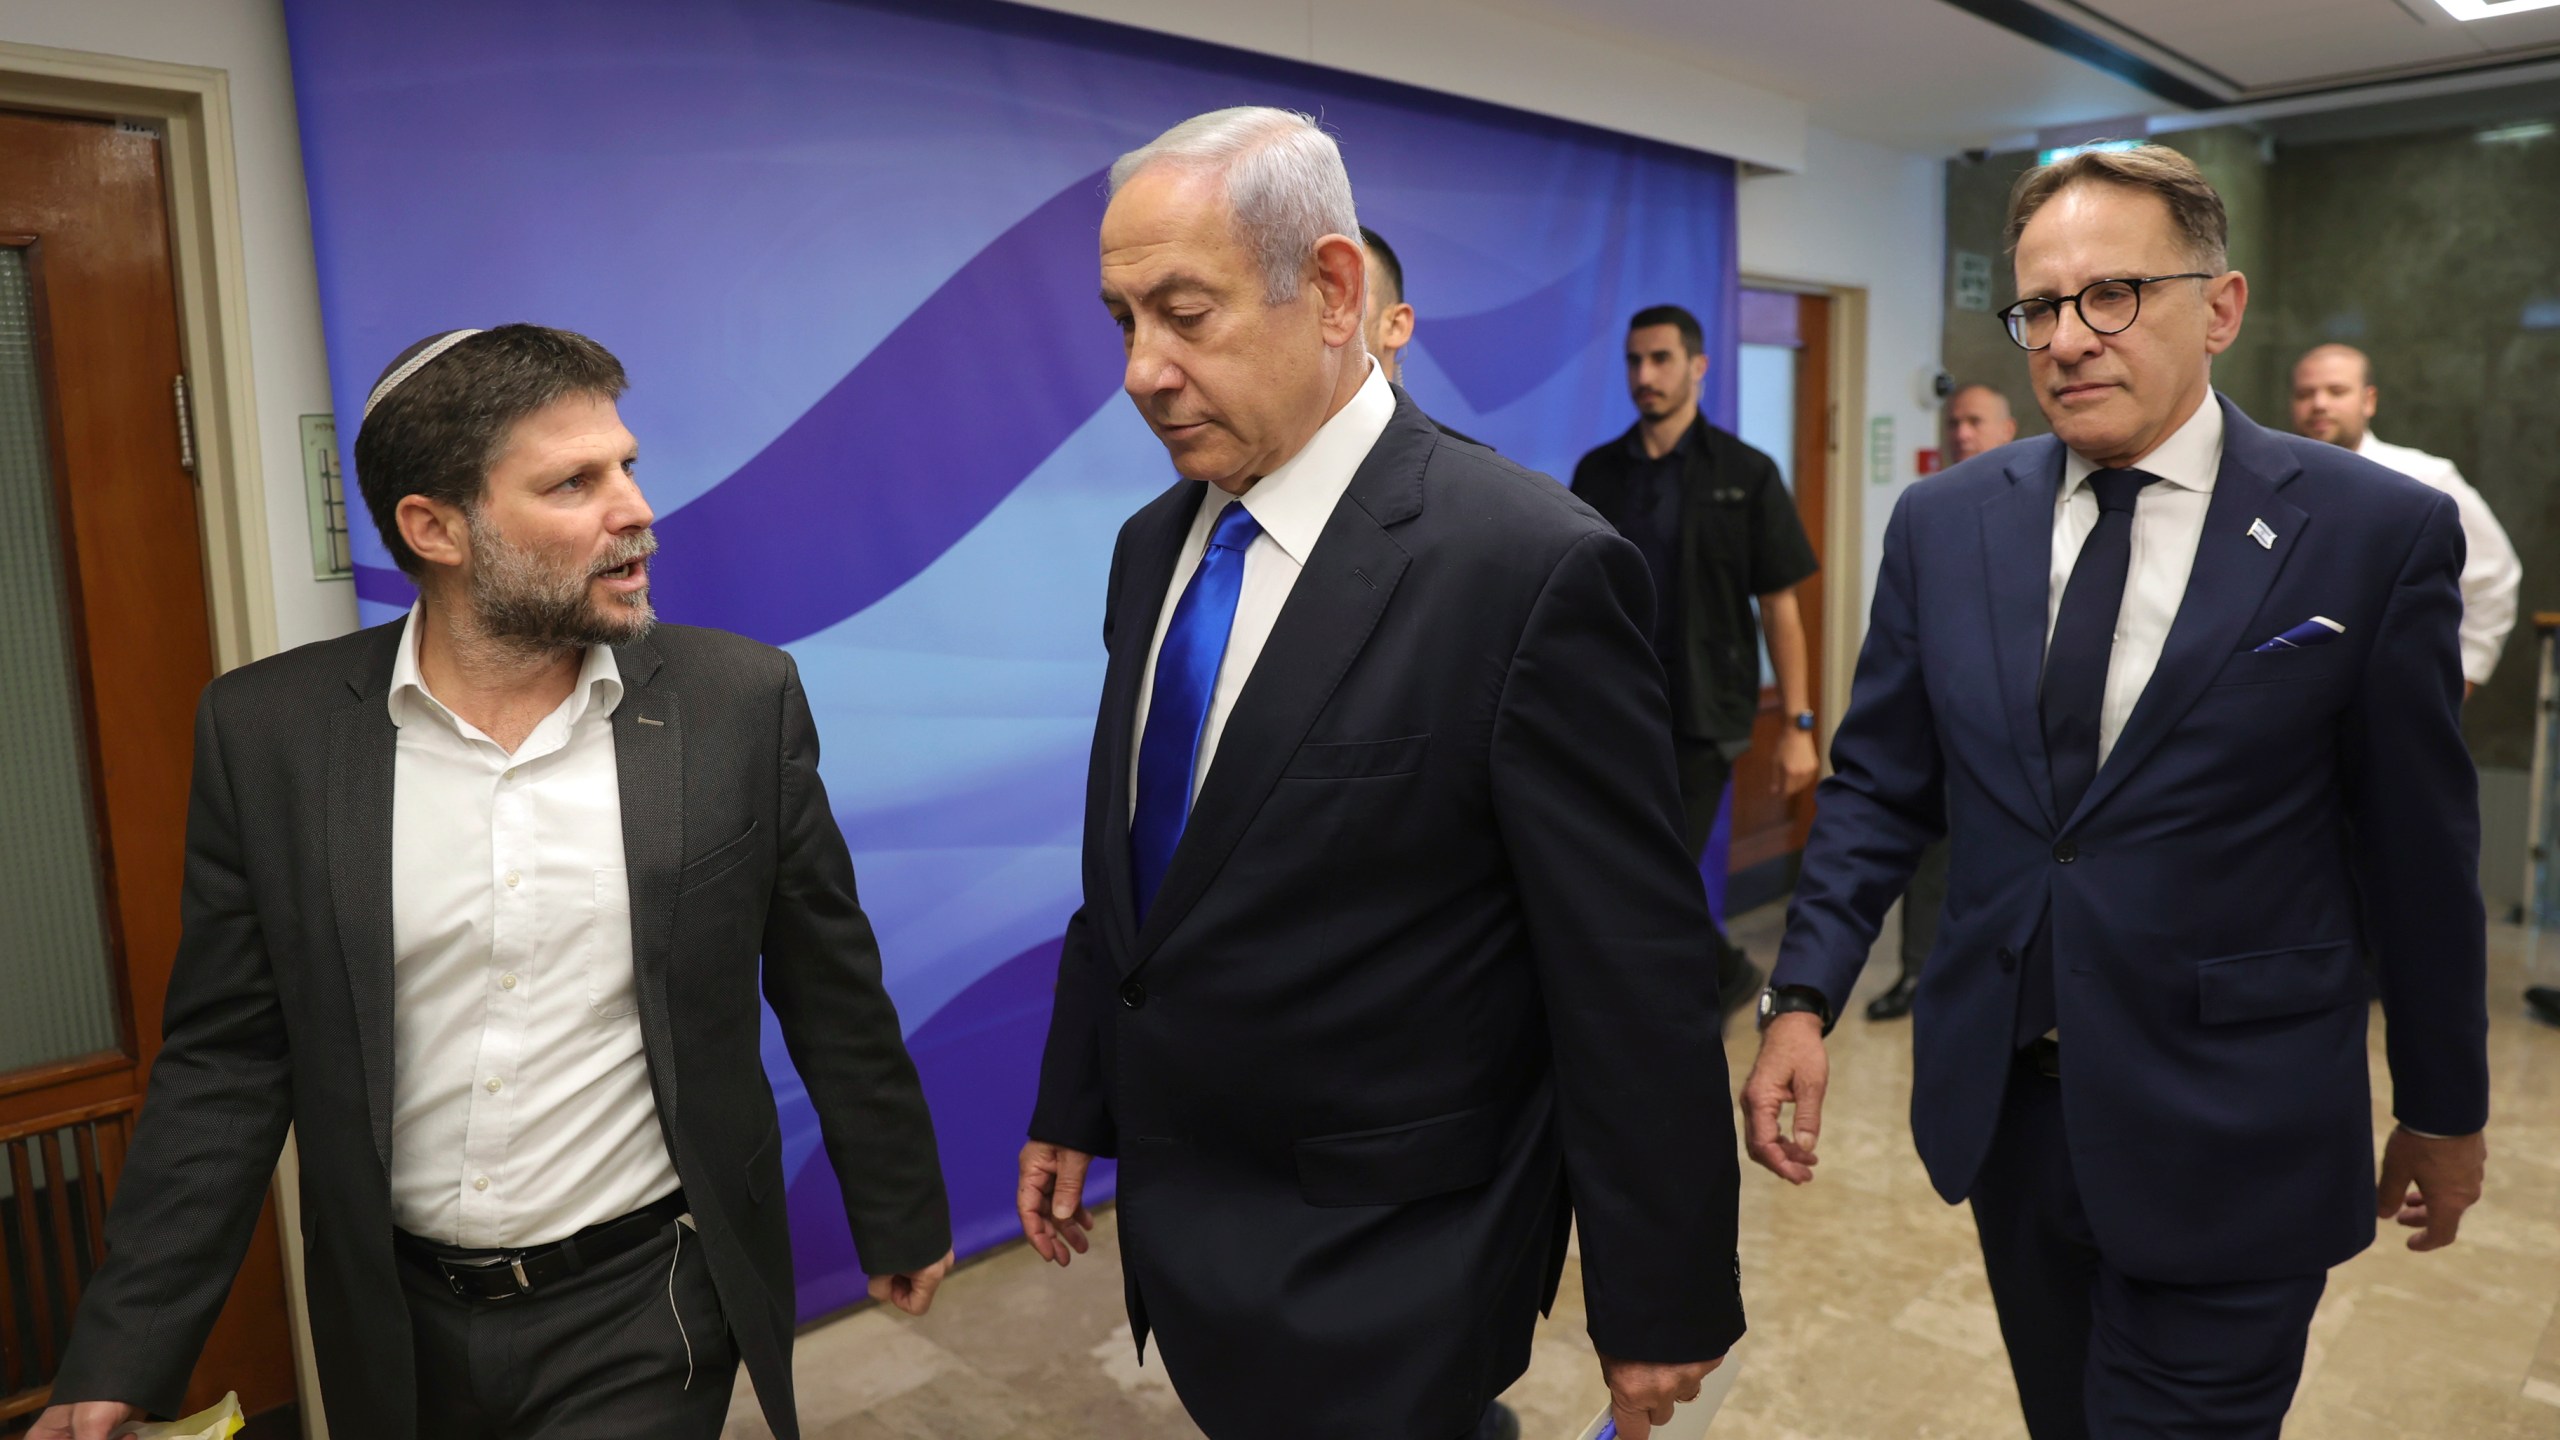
pixel 2264 822
pixel 1428 976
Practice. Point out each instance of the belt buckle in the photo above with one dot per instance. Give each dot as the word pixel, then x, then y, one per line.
pixel 2045 1054
pixel 511 1261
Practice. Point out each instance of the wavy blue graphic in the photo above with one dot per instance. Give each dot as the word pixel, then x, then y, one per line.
pixel 848 542
pixel 846 249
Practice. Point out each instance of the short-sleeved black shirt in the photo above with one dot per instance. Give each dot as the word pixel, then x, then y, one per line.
pixel 1732 534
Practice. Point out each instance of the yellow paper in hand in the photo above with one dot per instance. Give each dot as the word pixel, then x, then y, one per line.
pixel 220 1422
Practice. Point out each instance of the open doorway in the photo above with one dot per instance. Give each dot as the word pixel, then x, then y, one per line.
pixel 1785 369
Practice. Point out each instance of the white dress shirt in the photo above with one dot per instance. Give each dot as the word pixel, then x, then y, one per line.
pixel 2490 572
pixel 1291 504
pixel 520 1102
pixel 2168 522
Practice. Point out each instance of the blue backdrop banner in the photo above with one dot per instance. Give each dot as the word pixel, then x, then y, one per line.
pixel 846 249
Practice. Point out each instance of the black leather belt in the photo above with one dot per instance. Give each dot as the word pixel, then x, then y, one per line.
pixel 506 1274
pixel 2043 1055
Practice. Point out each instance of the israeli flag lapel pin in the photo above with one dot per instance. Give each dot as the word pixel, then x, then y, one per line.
pixel 2259 532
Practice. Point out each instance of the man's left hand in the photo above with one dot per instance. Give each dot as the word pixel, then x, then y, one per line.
pixel 2428 1182
pixel 1641 1394
pixel 912 1290
pixel 1798 764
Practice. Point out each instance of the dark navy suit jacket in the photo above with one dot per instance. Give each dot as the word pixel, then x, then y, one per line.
pixel 2264 822
pixel 1428 976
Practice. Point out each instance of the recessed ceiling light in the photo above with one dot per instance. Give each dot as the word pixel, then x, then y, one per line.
pixel 2492 9
pixel 2518 132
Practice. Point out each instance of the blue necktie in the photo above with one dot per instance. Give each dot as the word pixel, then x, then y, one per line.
pixel 1178 709
pixel 2074 695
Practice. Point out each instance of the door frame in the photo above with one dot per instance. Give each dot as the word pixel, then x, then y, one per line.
pixel 1844 495
pixel 190 106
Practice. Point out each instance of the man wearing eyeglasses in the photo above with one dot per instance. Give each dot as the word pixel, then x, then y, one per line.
pixel 2190 691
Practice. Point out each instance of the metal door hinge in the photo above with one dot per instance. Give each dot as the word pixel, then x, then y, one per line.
pixel 186 424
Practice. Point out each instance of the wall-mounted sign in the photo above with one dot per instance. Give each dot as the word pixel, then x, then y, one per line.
pixel 324 491
pixel 1880 449
pixel 1973 280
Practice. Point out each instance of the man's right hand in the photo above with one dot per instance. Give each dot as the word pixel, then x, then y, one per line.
pixel 1050 1200
pixel 85 1420
pixel 1792 1068
pixel 1642 1395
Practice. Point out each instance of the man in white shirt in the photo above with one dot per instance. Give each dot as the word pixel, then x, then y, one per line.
pixel 2189 690
pixel 472 899
pixel 2334 399
pixel 1387 921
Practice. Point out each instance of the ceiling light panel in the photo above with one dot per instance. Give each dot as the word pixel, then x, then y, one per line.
pixel 2491 9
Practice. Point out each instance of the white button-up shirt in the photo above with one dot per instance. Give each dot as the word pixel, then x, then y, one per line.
pixel 1291 504
pixel 2490 571
pixel 520 1102
pixel 2168 522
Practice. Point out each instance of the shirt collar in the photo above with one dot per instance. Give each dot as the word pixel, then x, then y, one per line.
pixel 2190 458
pixel 1293 502
pixel 1680 448
pixel 599 683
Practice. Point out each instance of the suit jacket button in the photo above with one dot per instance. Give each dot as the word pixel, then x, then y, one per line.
pixel 2066 852
pixel 2008 959
pixel 1133 995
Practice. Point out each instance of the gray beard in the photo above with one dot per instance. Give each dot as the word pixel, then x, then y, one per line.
pixel 523 599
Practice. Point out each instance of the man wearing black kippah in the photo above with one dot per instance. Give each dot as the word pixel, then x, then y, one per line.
pixel 472 899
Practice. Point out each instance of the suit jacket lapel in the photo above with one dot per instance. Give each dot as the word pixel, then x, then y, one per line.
pixel 648 758
pixel 2017 560
pixel 1153 547
pixel 1346 584
pixel 2229 582
pixel 364 749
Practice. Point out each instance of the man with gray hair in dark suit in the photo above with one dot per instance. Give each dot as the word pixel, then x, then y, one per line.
pixel 472 898
pixel 1390 967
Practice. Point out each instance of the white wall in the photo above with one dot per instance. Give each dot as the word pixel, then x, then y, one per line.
pixel 1861 214
pixel 1486 52
pixel 289 368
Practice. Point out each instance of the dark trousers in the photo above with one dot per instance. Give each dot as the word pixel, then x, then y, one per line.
pixel 1922 903
pixel 1705 770
pixel 636 1348
pixel 2102 1354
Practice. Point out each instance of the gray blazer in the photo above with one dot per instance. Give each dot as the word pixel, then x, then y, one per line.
pixel 279 1013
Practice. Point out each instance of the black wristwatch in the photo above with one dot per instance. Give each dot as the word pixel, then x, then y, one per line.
pixel 1780 1000
pixel 1803 720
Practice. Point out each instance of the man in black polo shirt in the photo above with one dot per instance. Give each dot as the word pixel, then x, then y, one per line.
pixel 1717 528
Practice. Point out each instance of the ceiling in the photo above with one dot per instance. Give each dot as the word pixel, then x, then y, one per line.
pixel 1917 74
pixel 1950 75
pixel 2254 49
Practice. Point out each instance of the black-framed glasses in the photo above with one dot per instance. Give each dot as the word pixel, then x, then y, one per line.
pixel 2108 307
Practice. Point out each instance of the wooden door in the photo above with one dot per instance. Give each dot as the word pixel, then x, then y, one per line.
pixel 107 647
pixel 1768 832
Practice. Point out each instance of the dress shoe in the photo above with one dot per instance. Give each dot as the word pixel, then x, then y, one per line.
pixel 1498 1423
pixel 1896 1002
pixel 2545 1000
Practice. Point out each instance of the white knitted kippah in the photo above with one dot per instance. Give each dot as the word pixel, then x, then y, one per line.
pixel 415 361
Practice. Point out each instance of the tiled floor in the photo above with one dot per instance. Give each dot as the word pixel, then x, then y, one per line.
pixel 1869 1316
